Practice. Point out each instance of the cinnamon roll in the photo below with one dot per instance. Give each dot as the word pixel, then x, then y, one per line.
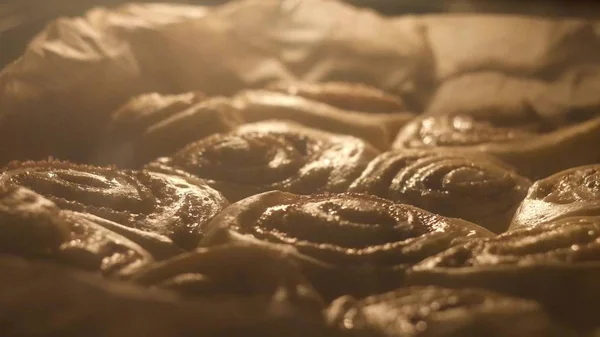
pixel 557 264
pixel 168 212
pixel 33 227
pixel 535 154
pixel 574 192
pixel 154 125
pixel 349 243
pixel 454 131
pixel 144 110
pixel 236 269
pixel 274 155
pixel 377 129
pixel 476 189
pixel 45 300
pixel 343 95
pixel 437 312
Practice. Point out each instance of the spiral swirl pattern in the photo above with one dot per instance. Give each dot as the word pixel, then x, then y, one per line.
pixel 343 95
pixel 570 240
pixel 143 111
pixel 580 184
pixel 454 131
pixel 344 243
pixel 95 248
pixel 557 264
pixel 29 224
pixel 47 300
pixel 150 202
pixel 574 192
pixel 433 311
pixel 272 156
pixel 32 226
pixel 251 270
pixel 345 229
pixel 152 125
pixel 447 184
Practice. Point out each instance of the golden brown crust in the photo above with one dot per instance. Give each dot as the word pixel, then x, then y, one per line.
pixel 93 247
pixel 433 311
pixel 556 264
pixel 574 192
pixel 46 300
pixel 240 269
pixel 376 128
pixel 154 125
pixel 570 240
pixel 368 239
pixel 34 227
pixel 447 184
pixel 29 223
pixel 150 202
pixel 345 229
pixel 143 111
pixel 534 155
pixel 266 156
pixel 452 131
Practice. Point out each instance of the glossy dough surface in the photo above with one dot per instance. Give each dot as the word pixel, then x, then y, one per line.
pixel 149 202
pixel 32 226
pixel 346 229
pixel 416 176
pixel 534 152
pixel 53 301
pixel 571 240
pixel 239 269
pixel 268 156
pixel 574 192
pixel 345 243
pixel 434 311
pixel 154 125
pixel 439 131
pixel 376 128
pixel 475 188
pixel 557 264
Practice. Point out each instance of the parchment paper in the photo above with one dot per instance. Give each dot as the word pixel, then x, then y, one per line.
pixel 56 98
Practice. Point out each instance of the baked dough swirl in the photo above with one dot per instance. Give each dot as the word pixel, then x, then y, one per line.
pixel 455 130
pixel 574 192
pixel 475 188
pixel 33 227
pixel 266 156
pixel 349 233
pixel 376 128
pixel 534 154
pixel 39 299
pixel 343 95
pixel 143 110
pixel 557 264
pixel 437 312
pixel 143 205
pixel 237 269
pixel 154 125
